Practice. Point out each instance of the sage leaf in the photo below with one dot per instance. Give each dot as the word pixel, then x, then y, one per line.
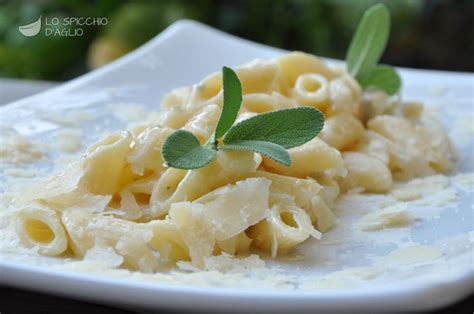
pixel 369 40
pixel 232 101
pixel 287 127
pixel 382 77
pixel 182 150
pixel 271 150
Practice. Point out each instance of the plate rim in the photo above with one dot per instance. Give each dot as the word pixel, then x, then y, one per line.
pixel 399 296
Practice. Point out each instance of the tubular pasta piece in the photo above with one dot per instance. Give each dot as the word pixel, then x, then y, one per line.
pixel 311 90
pixel 40 227
pixel 408 148
pixel 295 64
pixel 308 159
pixel 345 94
pixel 342 131
pixel 261 103
pixel 175 117
pixel 104 163
pixel 290 225
pixel 301 190
pixel 366 172
pixel 164 189
pixel 375 145
pixel 208 91
pixel 258 76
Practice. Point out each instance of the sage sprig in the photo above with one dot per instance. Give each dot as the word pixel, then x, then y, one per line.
pixel 366 48
pixel 269 134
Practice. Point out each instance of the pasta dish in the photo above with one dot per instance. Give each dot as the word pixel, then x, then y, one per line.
pixel 122 199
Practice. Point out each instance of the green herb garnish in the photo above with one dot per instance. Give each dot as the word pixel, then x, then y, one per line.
pixel 382 77
pixel 287 127
pixel 366 48
pixel 182 150
pixel 273 132
pixel 232 101
pixel 269 134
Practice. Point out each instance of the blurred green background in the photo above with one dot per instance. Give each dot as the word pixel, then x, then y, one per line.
pixel 425 34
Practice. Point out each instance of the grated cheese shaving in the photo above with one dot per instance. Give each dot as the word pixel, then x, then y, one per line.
pixel 16 148
pixel 389 217
pixel 69 140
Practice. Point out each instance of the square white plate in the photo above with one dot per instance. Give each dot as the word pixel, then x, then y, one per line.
pixel 180 56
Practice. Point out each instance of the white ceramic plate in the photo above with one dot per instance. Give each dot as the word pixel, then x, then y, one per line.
pixel 181 55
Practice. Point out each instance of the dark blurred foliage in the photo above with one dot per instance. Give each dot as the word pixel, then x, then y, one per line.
pixel 435 34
